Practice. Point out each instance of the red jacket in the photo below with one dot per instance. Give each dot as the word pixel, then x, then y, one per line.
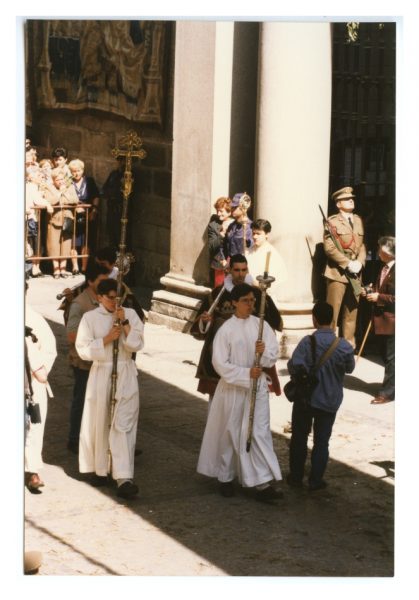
pixel 384 316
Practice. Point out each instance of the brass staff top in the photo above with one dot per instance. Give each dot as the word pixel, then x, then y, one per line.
pixel 132 144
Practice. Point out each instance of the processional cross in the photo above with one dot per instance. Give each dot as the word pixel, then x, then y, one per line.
pixel 129 147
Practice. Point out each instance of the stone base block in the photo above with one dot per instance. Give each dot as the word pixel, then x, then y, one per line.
pixel 168 321
pixel 290 339
pixel 174 310
pixel 298 322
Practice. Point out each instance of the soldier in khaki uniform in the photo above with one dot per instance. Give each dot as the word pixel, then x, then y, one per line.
pixel 348 231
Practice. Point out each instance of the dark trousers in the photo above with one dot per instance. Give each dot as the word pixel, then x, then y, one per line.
pixel 303 419
pixel 77 403
pixel 388 349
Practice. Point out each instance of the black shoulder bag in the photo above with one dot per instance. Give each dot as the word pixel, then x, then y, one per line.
pixel 302 384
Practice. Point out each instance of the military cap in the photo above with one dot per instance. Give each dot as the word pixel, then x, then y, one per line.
pixel 32 562
pixel 345 193
pixel 237 197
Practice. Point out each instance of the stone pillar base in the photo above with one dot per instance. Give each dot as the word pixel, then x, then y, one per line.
pixel 298 322
pixel 177 310
pixel 176 306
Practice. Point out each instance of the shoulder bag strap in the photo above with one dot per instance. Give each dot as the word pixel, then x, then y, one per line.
pixel 328 353
pixel 313 350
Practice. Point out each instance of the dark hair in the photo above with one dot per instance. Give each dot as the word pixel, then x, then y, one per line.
pixel 237 258
pixel 261 224
pixel 107 253
pixel 105 286
pixel 93 271
pixel 59 152
pixel 240 290
pixel 323 313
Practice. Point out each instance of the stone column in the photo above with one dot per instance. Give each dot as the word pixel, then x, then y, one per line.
pixel 292 164
pixel 201 147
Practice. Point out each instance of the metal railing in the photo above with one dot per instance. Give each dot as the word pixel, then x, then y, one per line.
pixel 73 253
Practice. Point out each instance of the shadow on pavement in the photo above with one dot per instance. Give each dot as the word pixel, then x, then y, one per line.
pixel 354 383
pixel 345 530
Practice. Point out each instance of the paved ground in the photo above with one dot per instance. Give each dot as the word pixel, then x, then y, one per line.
pixel 179 525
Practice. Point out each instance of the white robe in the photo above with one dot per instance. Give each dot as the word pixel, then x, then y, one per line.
pixel 95 435
pixel 256 260
pixel 40 353
pixel 223 451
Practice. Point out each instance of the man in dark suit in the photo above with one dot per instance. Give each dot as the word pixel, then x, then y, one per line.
pixel 384 318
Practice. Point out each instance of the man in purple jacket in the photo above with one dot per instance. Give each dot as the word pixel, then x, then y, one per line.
pixel 384 317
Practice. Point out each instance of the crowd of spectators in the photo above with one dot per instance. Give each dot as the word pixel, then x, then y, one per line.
pixel 61 214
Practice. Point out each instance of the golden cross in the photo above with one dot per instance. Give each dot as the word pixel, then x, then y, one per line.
pixel 132 142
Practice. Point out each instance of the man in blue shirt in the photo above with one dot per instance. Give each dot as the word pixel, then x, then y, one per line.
pixel 320 410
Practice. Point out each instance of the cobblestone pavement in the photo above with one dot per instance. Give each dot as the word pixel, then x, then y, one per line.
pixel 179 525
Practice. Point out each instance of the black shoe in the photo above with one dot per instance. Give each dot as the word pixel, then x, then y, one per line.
pixel 227 489
pixel 268 495
pixel 127 490
pixel 76 272
pixel 98 480
pixel 297 483
pixel 73 447
pixel 317 486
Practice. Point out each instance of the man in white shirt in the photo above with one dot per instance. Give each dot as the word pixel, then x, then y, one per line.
pixel 256 258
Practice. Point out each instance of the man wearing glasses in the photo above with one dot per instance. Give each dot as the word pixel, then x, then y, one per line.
pixel 223 452
pixel 206 325
pixel 96 333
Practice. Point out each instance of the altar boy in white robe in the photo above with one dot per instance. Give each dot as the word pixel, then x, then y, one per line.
pixel 95 336
pixel 223 452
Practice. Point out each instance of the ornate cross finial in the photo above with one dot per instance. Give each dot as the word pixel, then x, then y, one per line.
pixel 130 147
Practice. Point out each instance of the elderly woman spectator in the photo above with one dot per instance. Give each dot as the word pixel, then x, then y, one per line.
pixel 87 193
pixel 61 222
pixel 34 199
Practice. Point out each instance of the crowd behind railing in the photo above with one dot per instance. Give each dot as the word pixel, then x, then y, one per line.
pixel 61 213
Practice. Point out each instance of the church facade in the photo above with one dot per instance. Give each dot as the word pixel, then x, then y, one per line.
pixel 287 112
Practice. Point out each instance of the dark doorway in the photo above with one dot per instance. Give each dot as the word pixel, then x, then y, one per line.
pixel 363 123
pixel 362 149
